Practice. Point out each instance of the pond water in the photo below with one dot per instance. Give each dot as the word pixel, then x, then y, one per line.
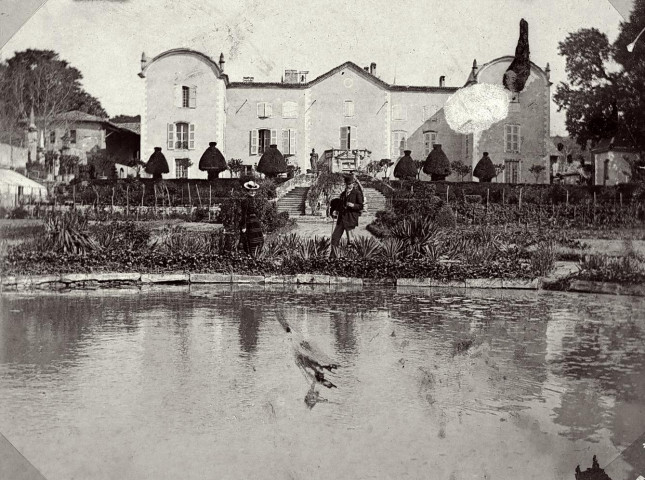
pixel 197 383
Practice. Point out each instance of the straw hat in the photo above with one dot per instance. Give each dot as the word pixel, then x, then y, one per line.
pixel 251 185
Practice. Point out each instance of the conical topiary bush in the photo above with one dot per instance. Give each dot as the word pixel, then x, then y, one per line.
pixel 484 170
pixel 212 161
pixel 272 162
pixel 157 164
pixel 437 164
pixel 406 168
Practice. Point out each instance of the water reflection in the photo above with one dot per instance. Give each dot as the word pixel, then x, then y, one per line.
pixel 250 319
pixel 542 378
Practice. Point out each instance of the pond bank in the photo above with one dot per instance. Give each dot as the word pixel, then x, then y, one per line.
pixel 557 280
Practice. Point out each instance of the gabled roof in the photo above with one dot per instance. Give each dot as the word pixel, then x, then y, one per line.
pixel 134 127
pixel 11 177
pixel 621 142
pixel 78 116
pixel 347 65
pixel 187 51
pixel 505 58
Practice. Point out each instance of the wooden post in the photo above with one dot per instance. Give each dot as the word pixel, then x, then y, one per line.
pixel 127 200
pixel 520 200
pixel 155 185
pixel 210 200
pixel 190 200
pixel 447 193
pixel 74 196
pixel 621 199
pixel 503 196
pixel 567 198
pixel 199 197
pixel 113 190
pixel 143 194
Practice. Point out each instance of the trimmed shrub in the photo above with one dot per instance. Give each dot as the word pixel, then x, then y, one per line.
pixel 406 168
pixel 272 162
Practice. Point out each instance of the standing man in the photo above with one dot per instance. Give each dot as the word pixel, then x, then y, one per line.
pixel 350 207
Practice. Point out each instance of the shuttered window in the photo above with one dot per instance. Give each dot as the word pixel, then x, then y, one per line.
pixel 265 110
pixel 429 139
pixel 171 136
pixel 511 171
pixel 191 136
pixel 348 108
pixel 399 143
pixel 253 135
pixel 289 110
pixel 192 101
pixel 512 139
pixel 399 112
pixel 289 138
pixel 348 137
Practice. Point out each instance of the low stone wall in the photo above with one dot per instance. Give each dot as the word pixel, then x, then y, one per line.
pixel 114 279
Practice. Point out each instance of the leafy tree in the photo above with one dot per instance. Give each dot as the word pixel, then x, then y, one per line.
pixel 39 79
pixel 385 164
pixel 126 119
pixel 461 169
pixel 236 166
pixel 499 168
pixel 102 164
pixel 606 83
pixel 537 171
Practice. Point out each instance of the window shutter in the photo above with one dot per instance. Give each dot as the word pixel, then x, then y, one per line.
pixel 260 110
pixel 171 136
pixel 292 141
pixel 178 96
pixel 268 109
pixel 274 137
pixel 191 136
pixel 343 138
pixel 519 138
pixel 353 138
pixel 192 102
pixel 285 141
pixel 253 134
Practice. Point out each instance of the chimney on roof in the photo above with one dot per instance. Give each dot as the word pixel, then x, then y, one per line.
pixel 221 61
pixel 442 81
pixel 144 60
pixel 547 70
pixel 373 68
pixel 367 69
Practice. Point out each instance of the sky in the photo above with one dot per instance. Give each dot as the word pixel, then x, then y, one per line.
pixel 415 42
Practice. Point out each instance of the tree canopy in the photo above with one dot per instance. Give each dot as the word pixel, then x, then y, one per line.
pixel 605 92
pixel 41 80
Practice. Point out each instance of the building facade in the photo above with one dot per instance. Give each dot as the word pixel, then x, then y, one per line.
pixel 79 133
pixel 613 158
pixel 189 102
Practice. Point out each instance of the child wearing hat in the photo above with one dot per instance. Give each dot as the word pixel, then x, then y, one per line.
pixel 350 206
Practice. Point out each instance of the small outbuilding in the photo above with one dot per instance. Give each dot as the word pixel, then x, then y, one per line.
pixel 16 189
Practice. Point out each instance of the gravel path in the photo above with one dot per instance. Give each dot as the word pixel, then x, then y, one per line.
pixel 324 227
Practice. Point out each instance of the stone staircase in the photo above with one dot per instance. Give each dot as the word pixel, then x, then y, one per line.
pixel 294 202
pixel 374 200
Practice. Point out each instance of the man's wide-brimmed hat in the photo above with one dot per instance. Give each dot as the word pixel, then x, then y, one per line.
pixel 251 185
